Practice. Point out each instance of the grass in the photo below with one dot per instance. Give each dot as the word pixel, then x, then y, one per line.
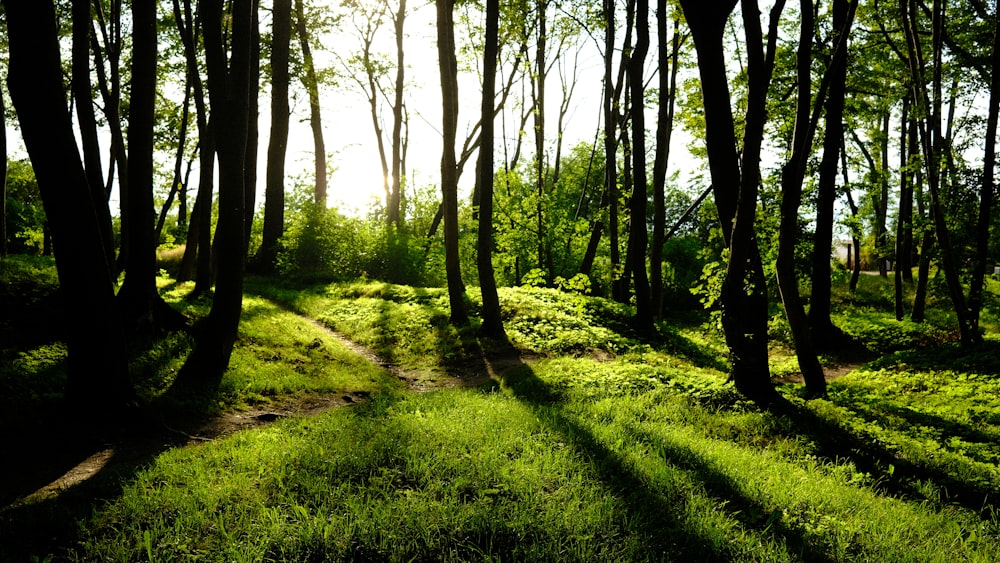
pixel 600 447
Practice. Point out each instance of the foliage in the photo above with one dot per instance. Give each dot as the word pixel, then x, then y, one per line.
pixel 25 215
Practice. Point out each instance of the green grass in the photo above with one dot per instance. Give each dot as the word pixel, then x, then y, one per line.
pixel 601 447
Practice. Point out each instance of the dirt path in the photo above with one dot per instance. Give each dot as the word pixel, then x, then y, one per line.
pixel 159 435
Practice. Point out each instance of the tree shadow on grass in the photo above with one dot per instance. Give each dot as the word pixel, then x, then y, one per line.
pixel 890 473
pixel 655 515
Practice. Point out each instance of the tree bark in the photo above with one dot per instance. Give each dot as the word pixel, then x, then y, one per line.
pixel 986 195
pixel 905 214
pixel 492 322
pixel 638 237
pixel 230 90
pixel 88 123
pixel 743 297
pixel 821 325
pixel 395 197
pixel 3 176
pixel 664 132
pixel 449 173
pixel 98 365
pixel 274 194
pixel 311 82
pixel 139 288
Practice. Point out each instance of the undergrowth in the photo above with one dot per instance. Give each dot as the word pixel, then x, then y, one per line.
pixel 594 446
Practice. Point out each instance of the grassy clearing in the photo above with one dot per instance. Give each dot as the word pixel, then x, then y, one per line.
pixel 601 448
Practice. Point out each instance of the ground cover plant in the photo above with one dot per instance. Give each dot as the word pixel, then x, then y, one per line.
pixel 587 444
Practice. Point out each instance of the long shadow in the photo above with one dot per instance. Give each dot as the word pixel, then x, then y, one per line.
pixel 753 514
pixel 654 515
pixel 892 475
pixel 100 460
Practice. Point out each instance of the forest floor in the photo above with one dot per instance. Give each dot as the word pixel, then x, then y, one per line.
pixel 127 448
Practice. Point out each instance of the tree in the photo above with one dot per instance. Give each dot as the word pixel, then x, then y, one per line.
pixel 668 58
pixel 274 194
pixel 743 295
pixel 820 324
pixel 98 365
pixel 449 173
pixel 638 237
pixel 933 146
pixel 230 91
pixel 988 188
pixel 311 82
pixel 139 289
pixel 3 176
pixel 87 121
pixel 492 322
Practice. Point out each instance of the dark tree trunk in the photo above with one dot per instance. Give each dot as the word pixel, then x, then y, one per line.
pixel 492 322
pixel 311 82
pixel 933 148
pixel 610 143
pixel 905 214
pixel 274 194
pixel 230 91
pixel 638 237
pixel 449 172
pixel 253 111
pixel 538 91
pixel 820 323
pixel 3 176
pixel 139 289
pixel 986 195
pixel 98 364
pixel 177 185
pixel 744 312
pixel 88 123
pixel 664 132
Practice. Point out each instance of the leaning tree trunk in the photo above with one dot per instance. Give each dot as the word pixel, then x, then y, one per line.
pixel 98 364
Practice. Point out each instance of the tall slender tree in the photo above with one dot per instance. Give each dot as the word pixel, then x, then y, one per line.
pixel 638 235
pixel 492 322
pixel 311 81
pixel 274 193
pixel 449 173
pixel 735 183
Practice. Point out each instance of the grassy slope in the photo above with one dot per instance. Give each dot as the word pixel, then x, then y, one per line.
pixel 600 448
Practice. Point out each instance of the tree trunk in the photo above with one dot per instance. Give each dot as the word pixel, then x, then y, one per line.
pixel 986 195
pixel 492 322
pixel 664 132
pixel 821 325
pixel 176 185
pixel 274 194
pixel 933 149
pixel 98 364
pixel 88 123
pixel 395 216
pixel 744 315
pixel 139 288
pixel 311 82
pixel 905 214
pixel 638 237
pixel 3 176
pixel 230 91
pixel 449 173
pixel 610 142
